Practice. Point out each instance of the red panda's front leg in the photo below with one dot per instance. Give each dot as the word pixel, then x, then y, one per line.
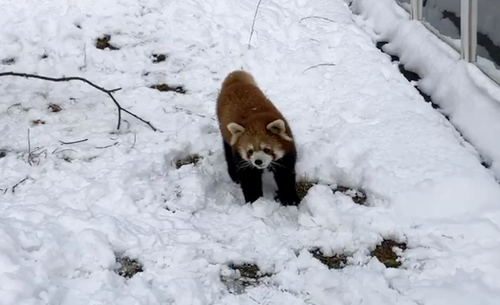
pixel 284 175
pixel 250 180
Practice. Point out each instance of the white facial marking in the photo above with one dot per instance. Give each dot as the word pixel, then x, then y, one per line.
pixel 279 153
pixel 243 154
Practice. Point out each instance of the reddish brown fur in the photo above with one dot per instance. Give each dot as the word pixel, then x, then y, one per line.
pixel 258 138
pixel 241 101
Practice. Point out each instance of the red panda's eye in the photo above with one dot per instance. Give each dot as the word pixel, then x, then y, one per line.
pixel 250 151
pixel 267 150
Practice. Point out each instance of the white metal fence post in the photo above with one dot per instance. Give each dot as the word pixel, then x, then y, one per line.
pixel 468 29
pixel 416 9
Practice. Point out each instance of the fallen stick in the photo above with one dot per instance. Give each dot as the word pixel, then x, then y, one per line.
pixel 109 92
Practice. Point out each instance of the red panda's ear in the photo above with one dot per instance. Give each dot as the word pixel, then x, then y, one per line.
pixel 278 127
pixel 236 130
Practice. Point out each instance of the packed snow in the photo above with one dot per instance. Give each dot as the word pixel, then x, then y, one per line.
pixel 68 211
pixel 463 92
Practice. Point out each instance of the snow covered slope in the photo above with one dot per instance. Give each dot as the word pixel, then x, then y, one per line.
pixel 358 123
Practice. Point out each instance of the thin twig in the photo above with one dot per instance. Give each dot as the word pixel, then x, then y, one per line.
pixel 57 151
pixel 317 17
pixel 109 92
pixel 14 187
pixel 84 67
pixel 102 147
pixel 318 65
pixel 74 142
pixel 34 155
pixel 14 105
pixel 135 139
pixel 29 148
pixel 253 23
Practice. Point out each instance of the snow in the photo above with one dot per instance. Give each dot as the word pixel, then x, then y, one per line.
pixel 357 123
pixel 463 92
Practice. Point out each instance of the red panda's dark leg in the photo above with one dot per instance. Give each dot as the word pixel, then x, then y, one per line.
pixel 250 179
pixel 231 162
pixel 284 176
pixel 251 183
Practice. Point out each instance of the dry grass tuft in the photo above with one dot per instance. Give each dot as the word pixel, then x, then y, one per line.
pixel 103 43
pixel 157 58
pixel 386 255
pixel 54 107
pixel 37 122
pixel 191 159
pixel 128 267
pixel 336 261
pixel 303 186
pixel 357 196
pixel 166 88
pixel 246 275
pixel 8 61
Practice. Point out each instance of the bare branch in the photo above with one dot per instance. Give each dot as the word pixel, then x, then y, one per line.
pixel 74 142
pixel 14 187
pixel 56 151
pixel 253 23
pixel 102 147
pixel 109 92
pixel 318 65
pixel 317 17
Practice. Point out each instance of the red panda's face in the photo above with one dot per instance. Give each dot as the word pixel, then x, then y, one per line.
pixel 259 143
pixel 259 150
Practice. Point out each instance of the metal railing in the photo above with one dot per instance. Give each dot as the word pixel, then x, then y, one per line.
pixel 468 30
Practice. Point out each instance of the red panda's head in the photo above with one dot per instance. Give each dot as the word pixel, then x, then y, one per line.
pixel 260 143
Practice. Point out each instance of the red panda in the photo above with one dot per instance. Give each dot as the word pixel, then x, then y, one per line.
pixel 256 136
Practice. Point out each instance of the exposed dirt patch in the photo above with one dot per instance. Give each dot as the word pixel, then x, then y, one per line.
pixel 244 275
pixel 303 186
pixel 157 58
pixel 166 88
pixel 37 122
pixel 128 267
pixel 357 196
pixel 54 107
pixel 3 153
pixel 336 261
pixel 8 61
pixel 103 43
pixel 191 159
pixel 385 254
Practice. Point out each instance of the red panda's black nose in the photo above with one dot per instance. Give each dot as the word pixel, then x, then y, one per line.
pixel 258 162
